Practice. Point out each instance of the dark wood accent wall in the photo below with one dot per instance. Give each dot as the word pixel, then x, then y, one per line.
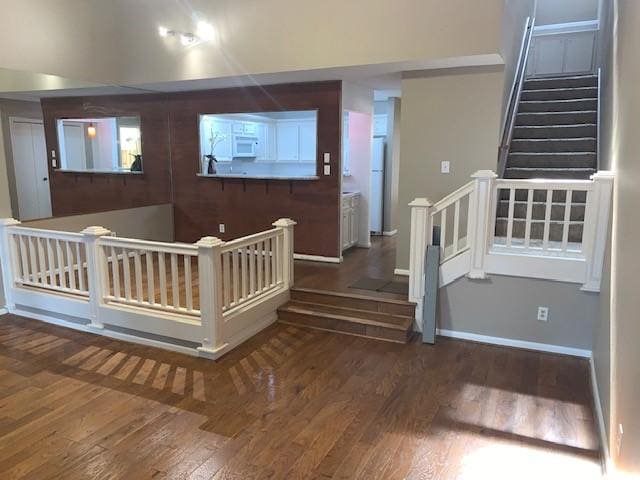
pixel 247 206
pixel 76 193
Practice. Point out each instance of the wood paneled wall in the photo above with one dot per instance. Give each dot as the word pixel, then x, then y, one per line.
pixel 170 137
pixel 78 193
pixel 247 206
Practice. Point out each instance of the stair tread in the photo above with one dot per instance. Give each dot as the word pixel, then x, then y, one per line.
pixel 355 296
pixel 568 125
pixel 570 139
pixel 568 112
pixel 363 317
pixel 568 154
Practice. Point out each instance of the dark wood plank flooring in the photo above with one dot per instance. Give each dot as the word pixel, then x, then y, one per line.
pixel 289 403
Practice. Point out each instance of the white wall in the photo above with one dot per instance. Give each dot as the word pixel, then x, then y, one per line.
pixel 565 11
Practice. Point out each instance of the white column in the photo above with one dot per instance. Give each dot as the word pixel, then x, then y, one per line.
pixel 8 261
pixel 287 271
pixel 596 228
pixel 421 237
pixel 210 285
pixel 480 222
pixel 97 275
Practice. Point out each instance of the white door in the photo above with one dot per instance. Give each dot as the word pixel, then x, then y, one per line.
pixel 31 171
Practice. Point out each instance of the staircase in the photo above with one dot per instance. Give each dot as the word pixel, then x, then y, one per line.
pixel 555 133
pixel 554 137
pixel 361 315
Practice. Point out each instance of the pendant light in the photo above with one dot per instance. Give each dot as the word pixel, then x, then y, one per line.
pixel 91 130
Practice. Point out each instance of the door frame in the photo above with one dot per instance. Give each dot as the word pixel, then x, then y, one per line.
pixel 18 119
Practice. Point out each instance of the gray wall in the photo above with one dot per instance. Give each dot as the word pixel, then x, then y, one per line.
pixel 154 222
pixel 507 307
pixel 449 115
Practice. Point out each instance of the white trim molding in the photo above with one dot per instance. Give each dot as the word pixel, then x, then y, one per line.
pixel 316 258
pixel 404 272
pixel 389 233
pixel 3 311
pixel 510 342
pixel 602 429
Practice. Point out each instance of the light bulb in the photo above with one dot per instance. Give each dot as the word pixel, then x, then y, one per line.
pixel 187 39
pixel 163 31
pixel 91 131
pixel 205 31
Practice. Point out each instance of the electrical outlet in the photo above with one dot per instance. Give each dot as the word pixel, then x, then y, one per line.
pixel 327 169
pixel 221 228
pixel 445 167
pixel 543 314
pixel 619 438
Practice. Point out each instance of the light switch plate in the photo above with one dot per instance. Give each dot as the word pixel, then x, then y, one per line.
pixel 327 169
pixel 327 158
pixel 543 314
pixel 445 167
pixel 221 228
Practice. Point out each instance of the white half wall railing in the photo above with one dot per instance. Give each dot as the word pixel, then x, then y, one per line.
pixel 540 228
pixel 201 299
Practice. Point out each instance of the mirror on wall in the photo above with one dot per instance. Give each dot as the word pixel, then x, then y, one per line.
pixel 260 144
pixel 106 144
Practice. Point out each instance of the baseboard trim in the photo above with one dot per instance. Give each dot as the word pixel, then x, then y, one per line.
pixel 602 430
pixel 509 342
pixel 317 258
pixel 3 311
pixel 401 271
pixel 390 233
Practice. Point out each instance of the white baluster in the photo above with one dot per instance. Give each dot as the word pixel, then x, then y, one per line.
pixel 210 281
pixel 98 280
pixel 596 228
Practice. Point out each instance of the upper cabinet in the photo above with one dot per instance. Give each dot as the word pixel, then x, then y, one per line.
pixel 308 141
pixel 288 142
pixel 380 125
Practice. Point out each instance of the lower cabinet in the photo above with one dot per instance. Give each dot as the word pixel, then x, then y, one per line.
pixel 350 220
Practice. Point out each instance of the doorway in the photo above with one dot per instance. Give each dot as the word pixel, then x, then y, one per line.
pixel 30 168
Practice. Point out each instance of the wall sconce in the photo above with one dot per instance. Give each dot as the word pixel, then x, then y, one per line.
pixel 91 130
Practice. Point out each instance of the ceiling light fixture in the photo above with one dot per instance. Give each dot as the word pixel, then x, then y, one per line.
pixel 91 130
pixel 163 31
pixel 205 31
pixel 188 39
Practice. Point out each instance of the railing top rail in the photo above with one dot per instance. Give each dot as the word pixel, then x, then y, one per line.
pixel 454 196
pixel 248 240
pixel 41 232
pixel 178 248
pixel 544 183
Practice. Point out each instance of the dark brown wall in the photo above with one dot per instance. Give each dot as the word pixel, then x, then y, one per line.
pixel 249 206
pixel 75 193
pixel 170 149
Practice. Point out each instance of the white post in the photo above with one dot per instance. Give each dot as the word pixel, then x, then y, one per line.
pixel 287 254
pixel 421 237
pixel 596 228
pixel 479 223
pixel 8 261
pixel 210 284
pixel 98 282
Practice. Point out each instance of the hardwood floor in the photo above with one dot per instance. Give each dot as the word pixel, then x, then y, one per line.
pixel 289 403
pixel 375 262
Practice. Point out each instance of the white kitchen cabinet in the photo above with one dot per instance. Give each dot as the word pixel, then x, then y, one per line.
pixel 288 141
pixel 380 125
pixel 308 142
pixel 350 220
pixel 223 150
pixel 262 134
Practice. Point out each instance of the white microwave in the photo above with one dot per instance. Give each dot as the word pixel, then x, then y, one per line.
pixel 244 146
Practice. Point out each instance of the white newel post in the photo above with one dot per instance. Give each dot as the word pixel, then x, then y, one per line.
pixel 8 261
pixel 210 281
pixel 479 223
pixel 421 237
pixel 287 252
pixel 596 228
pixel 98 282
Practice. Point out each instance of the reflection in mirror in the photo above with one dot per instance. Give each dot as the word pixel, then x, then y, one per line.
pixel 108 144
pixel 259 145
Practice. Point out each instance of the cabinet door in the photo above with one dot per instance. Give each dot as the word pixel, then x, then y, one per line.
pixel 262 149
pixel 354 224
pixel 308 142
pixel 223 150
pixel 346 229
pixel 380 125
pixel 288 142
pixel 250 128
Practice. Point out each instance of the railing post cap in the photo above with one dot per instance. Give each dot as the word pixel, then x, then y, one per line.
pixel 7 222
pixel 484 174
pixel 603 175
pixel 95 231
pixel 421 202
pixel 209 242
pixel 284 222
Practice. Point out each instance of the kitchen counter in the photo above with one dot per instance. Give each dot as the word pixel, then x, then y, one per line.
pixel 350 194
pixel 257 177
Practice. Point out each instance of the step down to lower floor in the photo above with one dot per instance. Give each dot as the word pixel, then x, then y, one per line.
pixel 377 318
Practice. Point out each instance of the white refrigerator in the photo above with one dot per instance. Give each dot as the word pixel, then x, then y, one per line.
pixel 377 185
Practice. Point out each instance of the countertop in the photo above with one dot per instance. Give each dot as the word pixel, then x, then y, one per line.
pixel 350 194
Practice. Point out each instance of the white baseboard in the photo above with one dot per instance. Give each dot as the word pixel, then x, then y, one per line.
pixel 316 258
pixel 509 342
pixel 390 233
pixel 401 271
pixel 3 311
pixel 602 430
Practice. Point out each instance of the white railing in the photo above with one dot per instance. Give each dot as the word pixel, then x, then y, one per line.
pixel 211 295
pixel 550 229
